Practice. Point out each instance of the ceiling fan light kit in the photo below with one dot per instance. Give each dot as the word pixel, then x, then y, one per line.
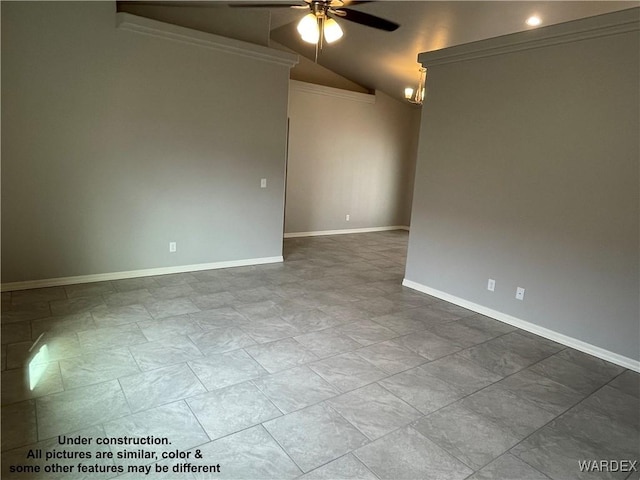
pixel 318 26
pixel 312 27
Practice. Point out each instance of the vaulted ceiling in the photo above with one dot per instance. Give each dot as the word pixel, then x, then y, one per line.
pixel 386 61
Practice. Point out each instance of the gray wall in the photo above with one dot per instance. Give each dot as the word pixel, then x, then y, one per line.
pixel 528 174
pixel 347 156
pixel 116 143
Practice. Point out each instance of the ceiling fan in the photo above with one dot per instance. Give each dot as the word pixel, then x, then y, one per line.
pixel 319 25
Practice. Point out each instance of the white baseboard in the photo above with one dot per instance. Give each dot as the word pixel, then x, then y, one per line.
pixel 148 272
pixel 585 347
pixel 345 231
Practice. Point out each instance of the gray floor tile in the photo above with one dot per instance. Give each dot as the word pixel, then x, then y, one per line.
pixel 407 455
pixel 486 324
pixel 128 297
pixel 94 289
pixel 270 329
pixel 129 284
pixel 427 344
pixel 373 410
pixel 347 371
pixel 161 386
pixel 508 354
pixel 107 337
pixel 252 295
pixel 464 375
pixel 210 301
pixel 470 437
pixel 456 310
pixel 460 334
pixel 390 357
pixel 311 320
pixel 231 409
pixel 628 382
pixel 295 388
pixel 557 454
pixel 15 384
pixel 544 392
pixel 15 332
pixel 344 468
pixel 521 417
pixel 170 308
pixel 72 410
pixel 174 421
pixel 279 355
pixel 249 454
pixel 304 309
pixel 62 324
pixel 58 347
pixel 19 424
pixel 37 295
pixel 615 436
pixel 402 322
pixel 220 340
pixel 327 343
pixel 105 316
pixel 25 312
pixel 172 291
pixel 211 285
pixel 74 305
pixel 163 352
pixel 218 318
pixel 591 363
pixel 97 367
pixel 170 327
pixel 346 313
pixel 421 390
pixel 508 467
pixel 218 371
pixel 434 314
pixel 175 279
pixel 259 310
pixel 571 374
pixel 618 405
pixel 315 435
pixel 366 332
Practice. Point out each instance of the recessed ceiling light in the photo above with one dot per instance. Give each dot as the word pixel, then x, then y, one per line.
pixel 534 21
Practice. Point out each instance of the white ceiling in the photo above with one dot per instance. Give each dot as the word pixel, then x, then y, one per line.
pixel 386 61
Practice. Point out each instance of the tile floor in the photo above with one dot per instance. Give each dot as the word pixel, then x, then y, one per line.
pixel 321 367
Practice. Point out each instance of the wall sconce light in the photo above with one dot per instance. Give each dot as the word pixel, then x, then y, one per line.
pixel 417 96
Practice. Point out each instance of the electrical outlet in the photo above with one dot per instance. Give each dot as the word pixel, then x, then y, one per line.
pixel 491 285
pixel 347 217
pixel 173 247
pixel 263 183
pixel 520 293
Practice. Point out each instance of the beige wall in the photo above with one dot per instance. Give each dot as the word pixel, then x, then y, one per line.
pixel 528 174
pixel 116 143
pixel 349 153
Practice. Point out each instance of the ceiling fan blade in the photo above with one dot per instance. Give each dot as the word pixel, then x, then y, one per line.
pixel 368 20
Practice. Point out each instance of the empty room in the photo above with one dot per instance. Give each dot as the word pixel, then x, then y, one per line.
pixel 320 239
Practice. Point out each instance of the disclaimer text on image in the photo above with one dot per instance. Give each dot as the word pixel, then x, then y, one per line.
pixel 74 455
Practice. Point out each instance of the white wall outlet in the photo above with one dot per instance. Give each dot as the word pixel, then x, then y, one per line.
pixel 173 247
pixel 520 293
pixel 347 217
pixel 263 183
pixel 491 285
